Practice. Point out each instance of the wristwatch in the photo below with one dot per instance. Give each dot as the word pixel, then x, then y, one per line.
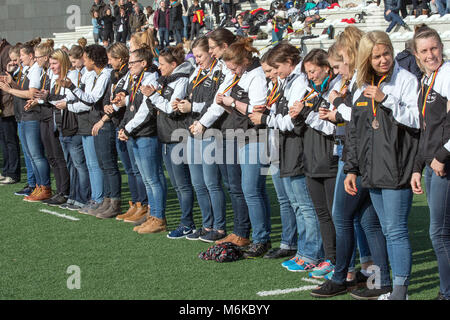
pixel 233 104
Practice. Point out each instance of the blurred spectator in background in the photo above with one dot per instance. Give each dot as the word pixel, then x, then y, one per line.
pixel 122 25
pixel 161 21
pixel 98 6
pixel 137 19
pixel 176 20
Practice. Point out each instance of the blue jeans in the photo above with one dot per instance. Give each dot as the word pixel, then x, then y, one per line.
pixel 105 146
pixel 443 6
pixel 181 181
pixel 80 188
pixel 177 35
pixel 147 152
pixel 393 207
pixel 289 236
pixel 137 189
pixel 213 180
pixel 309 246
pixel 185 24
pixel 394 19
pixel 95 173
pixel 355 218
pixel 254 189
pixel 163 37
pixel 31 178
pixel 438 197
pixel 232 176
pixel 35 150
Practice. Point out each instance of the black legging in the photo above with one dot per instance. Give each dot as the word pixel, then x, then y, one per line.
pixel 321 191
pixel 55 156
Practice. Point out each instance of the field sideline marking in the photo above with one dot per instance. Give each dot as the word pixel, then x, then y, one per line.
pixel 59 215
pixel 285 291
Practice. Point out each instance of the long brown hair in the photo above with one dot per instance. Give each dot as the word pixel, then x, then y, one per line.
pixel 240 52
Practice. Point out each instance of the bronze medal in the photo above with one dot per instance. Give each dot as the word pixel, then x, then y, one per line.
pixel 132 108
pixel 375 124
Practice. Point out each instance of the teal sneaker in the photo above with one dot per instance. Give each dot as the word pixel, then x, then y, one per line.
pixel 287 263
pixel 322 269
pixel 328 276
pixel 300 266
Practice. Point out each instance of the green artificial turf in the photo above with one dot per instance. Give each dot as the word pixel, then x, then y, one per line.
pixel 116 263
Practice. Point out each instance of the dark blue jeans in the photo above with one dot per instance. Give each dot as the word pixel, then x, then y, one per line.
pixel 33 146
pixel 232 173
pixel 163 37
pixel 135 183
pixel 31 178
pixel 178 170
pixel 80 188
pixel 394 19
pixel 289 236
pixel 438 197
pixel 349 213
pixel 105 147
pixel 147 152
pixel 95 173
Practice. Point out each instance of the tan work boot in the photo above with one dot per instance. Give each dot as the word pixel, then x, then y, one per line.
pixel 239 241
pixel 140 212
pixel 148 221
pixel 155 225
pixel 131 211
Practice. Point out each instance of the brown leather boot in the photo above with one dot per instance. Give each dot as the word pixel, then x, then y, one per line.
pixel 44 194
pixel 154 226
pixel 129 213
pixel 36 191
pixel 147 221
pixel 112 211
pixel 140 212
pixel 235 239
pixel 103 207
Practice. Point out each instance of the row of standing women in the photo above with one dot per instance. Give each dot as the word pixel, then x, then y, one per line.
pixel 344 134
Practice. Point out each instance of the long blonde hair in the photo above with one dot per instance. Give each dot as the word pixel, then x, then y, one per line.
pixel 348 42
pixel 63 58
pixel 366 45
pixel 145 39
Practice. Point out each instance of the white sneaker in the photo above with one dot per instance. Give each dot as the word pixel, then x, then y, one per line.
pixel 8 180
pixel 387 295
pixel 2 177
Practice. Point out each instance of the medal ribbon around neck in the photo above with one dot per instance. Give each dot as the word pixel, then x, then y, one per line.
pixel 198 82
pixel 271 99
pixel 235 81
pixel 374 108
pixel 135 86
pixel 433 78
pixel 20 75
pixel 308 96
pixel 45 79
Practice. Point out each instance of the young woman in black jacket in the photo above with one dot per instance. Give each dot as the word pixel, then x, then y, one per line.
pixel 434 146
pixel 320 157
pixel 383 137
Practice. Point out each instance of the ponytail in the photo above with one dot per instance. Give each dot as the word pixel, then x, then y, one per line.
pixel 240 52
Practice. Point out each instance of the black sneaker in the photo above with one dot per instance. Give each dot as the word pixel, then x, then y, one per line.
pixel 197 234
pixel 255 250
pixel 360 281
pixel 277 253
pixel 370 294
pixel 55 201
pixel 212 236
pixel 329 289
pixel 26 191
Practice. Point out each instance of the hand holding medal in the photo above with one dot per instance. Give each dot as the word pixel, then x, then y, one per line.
pixel 295 110
pixel 376 95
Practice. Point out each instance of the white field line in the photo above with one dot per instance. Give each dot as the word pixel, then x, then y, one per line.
pixel 285 291
pixel 59 215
